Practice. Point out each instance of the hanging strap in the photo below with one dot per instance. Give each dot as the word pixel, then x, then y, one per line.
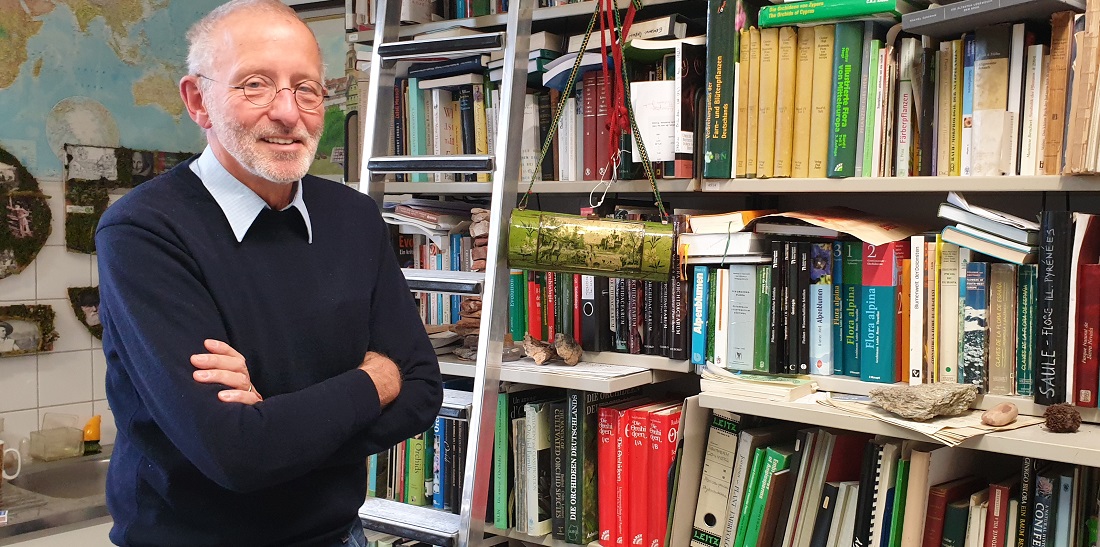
pixel 620 110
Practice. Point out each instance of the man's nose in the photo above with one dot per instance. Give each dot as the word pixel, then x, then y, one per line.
pixel 284 108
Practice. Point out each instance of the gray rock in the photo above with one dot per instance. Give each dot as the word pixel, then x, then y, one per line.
pixel 926 401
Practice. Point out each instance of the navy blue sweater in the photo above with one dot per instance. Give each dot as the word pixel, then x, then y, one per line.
pixel 189 469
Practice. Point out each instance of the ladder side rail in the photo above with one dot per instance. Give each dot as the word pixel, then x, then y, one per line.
pixel 379 124
pixel 494 324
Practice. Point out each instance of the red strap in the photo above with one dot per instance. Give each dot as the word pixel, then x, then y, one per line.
pixel 618 115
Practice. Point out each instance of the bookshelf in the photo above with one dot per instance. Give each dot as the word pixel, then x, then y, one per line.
pixel 939 185
pixel 546 540
pixel 497 20
pixel 550 187
pixel 1082 448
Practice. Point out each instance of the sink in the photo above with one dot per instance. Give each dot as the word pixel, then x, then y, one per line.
pixel 71 480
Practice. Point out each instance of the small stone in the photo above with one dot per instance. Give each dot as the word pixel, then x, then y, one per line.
pixel 926 401
pixel 469 354
pixel 480 229
pixel 470 305
pixel 477 265
pixel 567 348
pixel 479 253
pixel 477 214
pixel 1002 414
pixel 511 353
pixel 540 351
pixel 1062 418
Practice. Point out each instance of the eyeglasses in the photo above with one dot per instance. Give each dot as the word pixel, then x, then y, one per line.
pixel 261 91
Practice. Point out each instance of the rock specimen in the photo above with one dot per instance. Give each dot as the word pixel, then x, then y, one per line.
pixel 568 349
pixel 540 351
pixel 1002 414
pixel 1062 418
pixel 926 401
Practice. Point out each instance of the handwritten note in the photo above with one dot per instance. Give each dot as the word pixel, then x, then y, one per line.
pixel 655 111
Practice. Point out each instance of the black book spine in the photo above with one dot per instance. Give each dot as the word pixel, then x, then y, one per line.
pixel 1027 493
pixel 868 492
pixel 559 468
pixel 648 317
pixel 820 535
pixel 775 318
pixel 399 122
pixel 546 117
pixel 595 331
pixel 803 308
pixel 928 114
pixel 801 450
pixel 793 317
pixel 466 111
pixel 663 318
pixel 1055 235
pixel 679 295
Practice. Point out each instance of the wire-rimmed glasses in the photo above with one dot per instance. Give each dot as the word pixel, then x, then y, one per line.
pixel 261 91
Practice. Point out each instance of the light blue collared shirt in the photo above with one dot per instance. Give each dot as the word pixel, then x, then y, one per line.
pixel 239 203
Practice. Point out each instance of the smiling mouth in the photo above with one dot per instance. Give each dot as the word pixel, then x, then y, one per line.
pixel 276 140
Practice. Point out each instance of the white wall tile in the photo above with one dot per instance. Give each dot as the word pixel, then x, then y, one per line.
pixel 18 425
pixel 64 378
pixel 72 334
pixel 59 269
pixel 56 191
pixel 99 373
pixel 18 383
pixel 107 429
pixel 19 287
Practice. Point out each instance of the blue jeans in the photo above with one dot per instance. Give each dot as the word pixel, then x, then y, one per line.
pixel 355 536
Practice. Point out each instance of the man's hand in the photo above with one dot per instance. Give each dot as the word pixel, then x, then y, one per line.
pixel 385 374
pixel 224 365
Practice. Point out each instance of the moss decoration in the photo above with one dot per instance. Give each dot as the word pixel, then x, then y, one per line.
pixel 86 200
pixel 42 316
pixel 87 298
pixel 24 216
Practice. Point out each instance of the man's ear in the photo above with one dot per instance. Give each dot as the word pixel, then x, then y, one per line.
pixel 192 99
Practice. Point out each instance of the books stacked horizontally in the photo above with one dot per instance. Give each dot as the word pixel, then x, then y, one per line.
pixel 764 387
pixel 994 233
pixel 436 216
pixel 720 239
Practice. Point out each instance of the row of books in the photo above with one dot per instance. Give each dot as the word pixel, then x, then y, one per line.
pixel 816 487
pixel 425 470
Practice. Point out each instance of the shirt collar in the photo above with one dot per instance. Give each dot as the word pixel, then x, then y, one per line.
pixel 239 203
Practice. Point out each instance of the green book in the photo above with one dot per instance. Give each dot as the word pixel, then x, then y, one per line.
pixel 776 459
pixel 501 463
pixel 847 67
pixel 834 11
pixel 414 471
pixel 869 113
pixel 517 304
pixel 759 459
pixel 712 282
pixel 900 489
pixel 954 523
pixel 722 52
pixel 1027 283
pixel 762 348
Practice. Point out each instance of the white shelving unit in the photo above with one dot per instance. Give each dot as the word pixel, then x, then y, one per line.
pixel 558 376
pixel 1081 448
pixel 546 540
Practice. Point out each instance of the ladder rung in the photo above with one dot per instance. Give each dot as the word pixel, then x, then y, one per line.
pixel 443 281
pixel 431 526
pixel 462 163
pixel 437 48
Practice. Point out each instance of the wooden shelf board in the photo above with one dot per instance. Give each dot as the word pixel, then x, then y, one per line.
pixel 1026 406
pixel 646 361
pixel 551 187
pixel 907 184
pixel 538 14
pixel 1081 448
pixel 557 376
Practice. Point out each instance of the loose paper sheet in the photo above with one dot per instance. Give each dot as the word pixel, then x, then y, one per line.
pixel 655 111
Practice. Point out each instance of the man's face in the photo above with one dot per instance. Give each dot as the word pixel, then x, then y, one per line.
pixel 276 142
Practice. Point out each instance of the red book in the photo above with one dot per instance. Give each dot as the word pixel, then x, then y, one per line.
pixel 588 105
pixel 577 308
pixel 1087 369
pixel 603 132
pixel 608 471
pixel 996 521
pixel 551 304
pixel 663 426
pixel 637 491
pixel 939 497
pixel 534 306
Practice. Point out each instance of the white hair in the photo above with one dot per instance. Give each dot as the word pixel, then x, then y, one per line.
pixel 201 37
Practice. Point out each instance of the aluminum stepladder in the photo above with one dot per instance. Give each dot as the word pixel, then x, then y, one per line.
pixel 419 523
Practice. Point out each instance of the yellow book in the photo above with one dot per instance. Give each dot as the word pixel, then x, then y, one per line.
pixel 766 103
pixel 753 110
pixel 785 100
pixel 821 102
pixel 804 88
pixel 481 127
pixel 955 157
pixel 943 109
pixel 742 107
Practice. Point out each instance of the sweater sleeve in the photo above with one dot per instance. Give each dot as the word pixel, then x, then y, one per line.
pixel 398 331
pixel 156 312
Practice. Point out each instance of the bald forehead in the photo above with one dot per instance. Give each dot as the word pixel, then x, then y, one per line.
pixel 250 31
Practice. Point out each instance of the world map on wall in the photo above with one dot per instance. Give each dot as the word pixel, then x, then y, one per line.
pixel 93 72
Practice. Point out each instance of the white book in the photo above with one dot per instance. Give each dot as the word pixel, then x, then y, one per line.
pixel 880 106
pixel 443 129
pixel 538 465
pixel 1032 116
pixel 735 118
pixel 529 142
pixel 714 487
pixel 1043 108
pixel 567 133
pixel 740 339
pixel 847 530
pixel 1013 522
pixel 821 309
pixel 948 309
pixel 721 316
pixel 905 108
pixel 1015 85
pixel 812 439
pixel 965 159
pixel 815 481
pixel 916 310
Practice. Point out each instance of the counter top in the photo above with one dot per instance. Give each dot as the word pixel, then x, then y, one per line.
pixel 30 512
